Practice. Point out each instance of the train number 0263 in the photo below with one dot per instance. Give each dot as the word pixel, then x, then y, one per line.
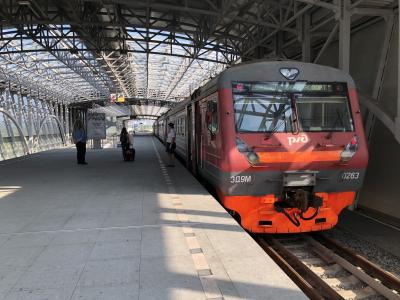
pixel 350 176
pixel 240 179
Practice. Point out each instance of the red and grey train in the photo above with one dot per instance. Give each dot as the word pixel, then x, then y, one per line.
pixel 281 142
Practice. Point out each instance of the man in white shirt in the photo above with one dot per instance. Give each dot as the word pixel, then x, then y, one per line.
pixel 171 145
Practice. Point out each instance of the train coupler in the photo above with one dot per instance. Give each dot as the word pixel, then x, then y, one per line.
pixel 301 200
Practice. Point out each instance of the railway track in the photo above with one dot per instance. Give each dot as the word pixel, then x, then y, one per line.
pixel 325 269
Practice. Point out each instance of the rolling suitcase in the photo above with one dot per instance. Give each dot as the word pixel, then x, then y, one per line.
pixel 130 154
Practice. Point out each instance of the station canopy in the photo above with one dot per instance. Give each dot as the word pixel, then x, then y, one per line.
pixel 152 53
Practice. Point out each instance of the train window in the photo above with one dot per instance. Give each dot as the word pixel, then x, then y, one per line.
pixel 182 126
pixel 262 113
pixel 212 116
pixel 324 114
pixel 268 107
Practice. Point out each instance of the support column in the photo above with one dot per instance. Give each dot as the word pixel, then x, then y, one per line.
pixel 344 34
pixel 397 120
pixel 67 122
pixel 72 119
pixel 20 109
pixel 377 91
pixel 30 121
pixel 97 144
pixel 306 38
pixel 55 109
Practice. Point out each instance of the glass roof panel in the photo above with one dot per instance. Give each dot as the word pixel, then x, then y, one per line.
pixel 167 67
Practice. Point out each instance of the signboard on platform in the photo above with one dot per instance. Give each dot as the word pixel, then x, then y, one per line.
pixel 96 125
pixel 121 98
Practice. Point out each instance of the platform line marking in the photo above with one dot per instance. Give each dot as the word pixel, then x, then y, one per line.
pixel 211 288
pixel 193 243
pixel 208 282
pixel 187 230
pixel 195 251
pixel 98 228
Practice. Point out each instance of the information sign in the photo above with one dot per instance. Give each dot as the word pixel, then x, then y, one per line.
pixel 121 98
pixel 96 125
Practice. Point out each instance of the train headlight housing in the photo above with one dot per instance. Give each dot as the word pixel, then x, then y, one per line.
pixel 251 156
pixel 349 150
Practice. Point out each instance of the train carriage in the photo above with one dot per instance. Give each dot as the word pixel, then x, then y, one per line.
pixel 281 142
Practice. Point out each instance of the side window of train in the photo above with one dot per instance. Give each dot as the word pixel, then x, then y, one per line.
pixel 212 117
pixel 182 126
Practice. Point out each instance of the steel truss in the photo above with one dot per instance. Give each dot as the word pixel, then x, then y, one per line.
pixel 163 49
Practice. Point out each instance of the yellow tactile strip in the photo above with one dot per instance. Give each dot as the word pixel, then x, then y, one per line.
pixel 210 286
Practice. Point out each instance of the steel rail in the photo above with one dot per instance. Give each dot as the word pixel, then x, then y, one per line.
pixel 377 286
pixel 378 281
pixel 309 282
pixel 304 285
pixel 385 277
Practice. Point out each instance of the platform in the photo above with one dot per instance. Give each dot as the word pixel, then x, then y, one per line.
pixel 121 230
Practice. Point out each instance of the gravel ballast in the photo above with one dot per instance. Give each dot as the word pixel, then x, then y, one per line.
pixel 372 252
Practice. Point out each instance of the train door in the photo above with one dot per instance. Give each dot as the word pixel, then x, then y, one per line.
pixel 189 136
pixel 204 141
pixel 165 133
pixel 211 130
pixel 198 133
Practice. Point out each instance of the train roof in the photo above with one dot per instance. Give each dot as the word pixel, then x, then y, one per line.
pixel 270 71
pixel 267 70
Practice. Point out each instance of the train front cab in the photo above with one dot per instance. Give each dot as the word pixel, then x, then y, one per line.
pixel 285 155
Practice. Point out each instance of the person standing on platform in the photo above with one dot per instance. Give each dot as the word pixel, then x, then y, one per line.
pixel 79 137
pixel 124 139
pixel 171 144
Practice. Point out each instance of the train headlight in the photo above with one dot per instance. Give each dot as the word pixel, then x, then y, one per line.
pixel 253 158
pixel 349 150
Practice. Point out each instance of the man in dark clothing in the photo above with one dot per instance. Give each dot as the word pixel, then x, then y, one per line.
pixel 79 137
pixel 124 139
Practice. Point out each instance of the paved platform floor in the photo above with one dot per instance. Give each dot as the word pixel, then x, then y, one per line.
pixel 117 230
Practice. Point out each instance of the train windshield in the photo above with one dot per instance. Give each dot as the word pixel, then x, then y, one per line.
pixel 275 106
pixel 262 113
pixel 324 113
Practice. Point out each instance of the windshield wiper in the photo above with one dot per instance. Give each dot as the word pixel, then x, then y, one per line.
pixel 295 114
pixel 275 123
pixel 339 118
